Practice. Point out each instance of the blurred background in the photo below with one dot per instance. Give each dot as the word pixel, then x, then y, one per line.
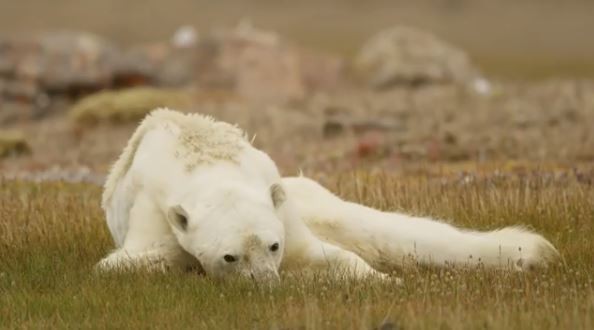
pixel 517 39
pixel 325 85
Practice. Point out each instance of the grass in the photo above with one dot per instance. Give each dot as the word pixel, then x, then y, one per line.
pixel 51 235
pixel 13 143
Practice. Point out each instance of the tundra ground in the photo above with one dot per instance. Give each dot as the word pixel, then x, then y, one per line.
pixel 51 235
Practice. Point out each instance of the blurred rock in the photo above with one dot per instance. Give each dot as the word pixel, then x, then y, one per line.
pixel 407 56
pixel 127 105
pixel 34 69
pixel 74 62
pixel 261 66
pixel 13 143
pixel 185 36
pixel 139 65
pixel 258 65
pixel 11 112
pixel 180 68
pixel 25 91
pixel 19 58
pixel 321 72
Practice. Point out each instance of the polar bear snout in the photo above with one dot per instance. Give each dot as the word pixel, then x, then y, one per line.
pixel 262 276
pixel 257 267
pixel 256 258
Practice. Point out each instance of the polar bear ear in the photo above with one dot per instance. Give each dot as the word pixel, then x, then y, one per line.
pixel 178 218
pixel 277 193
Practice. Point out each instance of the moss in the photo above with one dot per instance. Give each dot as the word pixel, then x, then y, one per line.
pixel 126 105
pixel 13 143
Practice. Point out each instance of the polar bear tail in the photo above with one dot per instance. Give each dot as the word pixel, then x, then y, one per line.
pixel 389 241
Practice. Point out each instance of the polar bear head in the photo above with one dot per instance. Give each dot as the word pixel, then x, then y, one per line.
pixel 232 229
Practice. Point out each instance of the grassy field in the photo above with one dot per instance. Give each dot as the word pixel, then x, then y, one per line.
pixel 52 234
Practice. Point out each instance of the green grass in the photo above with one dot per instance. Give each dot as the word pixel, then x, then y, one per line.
pixel 52 234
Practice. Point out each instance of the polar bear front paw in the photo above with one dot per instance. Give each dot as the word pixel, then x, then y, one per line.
pixel 122 260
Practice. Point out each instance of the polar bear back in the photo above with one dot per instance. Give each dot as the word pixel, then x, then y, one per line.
pixel 201 140
pixel 166 145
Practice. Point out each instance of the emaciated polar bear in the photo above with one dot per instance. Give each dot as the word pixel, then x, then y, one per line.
pixel 192 192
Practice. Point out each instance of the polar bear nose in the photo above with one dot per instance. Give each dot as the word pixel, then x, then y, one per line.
pixel 268 277
pixel 261 275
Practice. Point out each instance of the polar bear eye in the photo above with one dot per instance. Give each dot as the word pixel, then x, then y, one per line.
pixel 274 247
pixel 229 258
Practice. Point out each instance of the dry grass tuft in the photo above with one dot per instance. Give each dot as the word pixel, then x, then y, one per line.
pixel 52 234
pixel 13 143
pixel 126 105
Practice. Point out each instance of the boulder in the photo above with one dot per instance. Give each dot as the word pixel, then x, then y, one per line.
pixel 75 61
pixel 258 65
pixel 411 57
pixel 261 66
pixel 35 69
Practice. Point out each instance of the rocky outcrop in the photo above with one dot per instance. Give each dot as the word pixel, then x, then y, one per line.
pixel 411 57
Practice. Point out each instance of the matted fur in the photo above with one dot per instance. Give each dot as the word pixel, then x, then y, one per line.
pixel 202 140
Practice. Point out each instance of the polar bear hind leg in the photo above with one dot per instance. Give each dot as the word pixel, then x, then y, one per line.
pixel 389 241
pixel 305 251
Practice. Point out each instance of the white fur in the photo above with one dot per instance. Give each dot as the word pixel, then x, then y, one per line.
pixel 188 190
pixel 388 241
pixel 179 166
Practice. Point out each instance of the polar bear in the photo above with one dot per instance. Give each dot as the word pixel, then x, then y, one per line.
pixel 191 192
